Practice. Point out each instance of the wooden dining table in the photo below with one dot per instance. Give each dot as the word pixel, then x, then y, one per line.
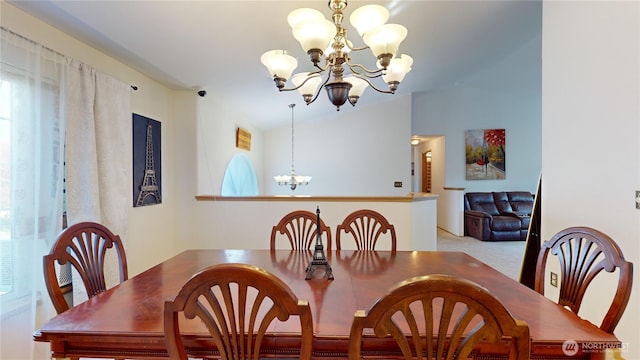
pixel 126 321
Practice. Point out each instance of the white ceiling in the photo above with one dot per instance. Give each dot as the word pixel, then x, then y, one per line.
pixel 216 45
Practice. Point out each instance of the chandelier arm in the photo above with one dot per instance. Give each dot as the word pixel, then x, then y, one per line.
pixel 321 69
pixel 352 48
pixel 356 48
pixel 368 72
pixel 372 85
pixel 320 87
pixel 312 75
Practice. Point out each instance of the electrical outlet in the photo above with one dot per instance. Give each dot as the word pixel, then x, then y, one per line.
pixel 553 279
pixel 637 199
pixel 397 184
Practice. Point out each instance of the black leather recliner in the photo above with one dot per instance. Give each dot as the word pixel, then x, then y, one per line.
pixel 495 216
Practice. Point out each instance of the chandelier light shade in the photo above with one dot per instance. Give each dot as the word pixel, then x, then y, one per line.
pixel 329 51
pixel 368 17
pixel 292 180
pixel 315 34
pixel 358 86
pixel 307 84
pixel 279 64
pixel 385 40
pixel 398 68
pixel 303 15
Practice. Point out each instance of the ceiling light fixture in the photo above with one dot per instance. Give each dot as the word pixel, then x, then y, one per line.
pixel 292 180
pixel 319 37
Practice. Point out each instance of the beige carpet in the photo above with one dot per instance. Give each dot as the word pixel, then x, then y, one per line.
pixel 504 256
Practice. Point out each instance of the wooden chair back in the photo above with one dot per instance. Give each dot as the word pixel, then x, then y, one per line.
pixel 300 229
pixel 583 253
pixel 237 303
pixel 84 245
pixel 454 313
pixel 366 227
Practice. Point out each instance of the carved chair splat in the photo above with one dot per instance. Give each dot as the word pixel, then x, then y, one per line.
pixel 583 253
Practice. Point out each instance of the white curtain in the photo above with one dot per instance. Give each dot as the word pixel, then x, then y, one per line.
pixel 46 100
pixel 99 155
pixel 32 126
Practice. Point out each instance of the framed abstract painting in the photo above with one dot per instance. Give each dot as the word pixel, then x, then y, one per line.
pixel 485 154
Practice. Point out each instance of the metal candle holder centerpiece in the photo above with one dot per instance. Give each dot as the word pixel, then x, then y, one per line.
pixel 319 260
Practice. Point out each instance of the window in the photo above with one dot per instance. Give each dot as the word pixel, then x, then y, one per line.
pixel 31 140
pixel 6 263
pixel 240 177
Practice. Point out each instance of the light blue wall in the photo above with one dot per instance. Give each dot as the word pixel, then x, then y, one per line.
pixel 357 153
pixel 506 95
pixel 364 152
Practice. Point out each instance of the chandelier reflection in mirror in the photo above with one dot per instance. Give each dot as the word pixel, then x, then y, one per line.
pixel 319 37
pixel 292 180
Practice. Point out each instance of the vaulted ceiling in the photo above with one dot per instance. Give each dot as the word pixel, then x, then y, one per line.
pixel 216 45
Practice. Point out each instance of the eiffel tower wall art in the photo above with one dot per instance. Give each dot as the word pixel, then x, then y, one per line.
pixel 147 165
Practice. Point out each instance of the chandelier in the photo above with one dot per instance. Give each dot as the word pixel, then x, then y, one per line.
pixel 292 180
pixel 319 37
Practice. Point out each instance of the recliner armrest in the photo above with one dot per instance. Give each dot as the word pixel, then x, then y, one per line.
pixel 477 213
pixel 518 214
pixel 477 224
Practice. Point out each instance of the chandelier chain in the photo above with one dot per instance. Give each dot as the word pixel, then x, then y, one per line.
pixel 292 147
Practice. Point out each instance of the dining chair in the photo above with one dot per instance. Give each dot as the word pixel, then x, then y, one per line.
pixel 85 246
pixel 300 229
pixel 236 303
pixel 366 227
pixel 454 313
pixel 583 253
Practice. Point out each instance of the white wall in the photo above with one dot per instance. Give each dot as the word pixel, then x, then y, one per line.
pixel 450 216
pixel 215 139
pixel 186 179
pixel 353 153
pixel 505 95
pixel 414 221
pixel 591 126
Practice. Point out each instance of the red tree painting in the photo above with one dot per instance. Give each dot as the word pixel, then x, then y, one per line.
pixel 495 137
pixel 485 154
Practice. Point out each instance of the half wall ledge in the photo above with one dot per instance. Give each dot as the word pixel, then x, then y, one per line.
pixel 414 216
pixel 407 198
